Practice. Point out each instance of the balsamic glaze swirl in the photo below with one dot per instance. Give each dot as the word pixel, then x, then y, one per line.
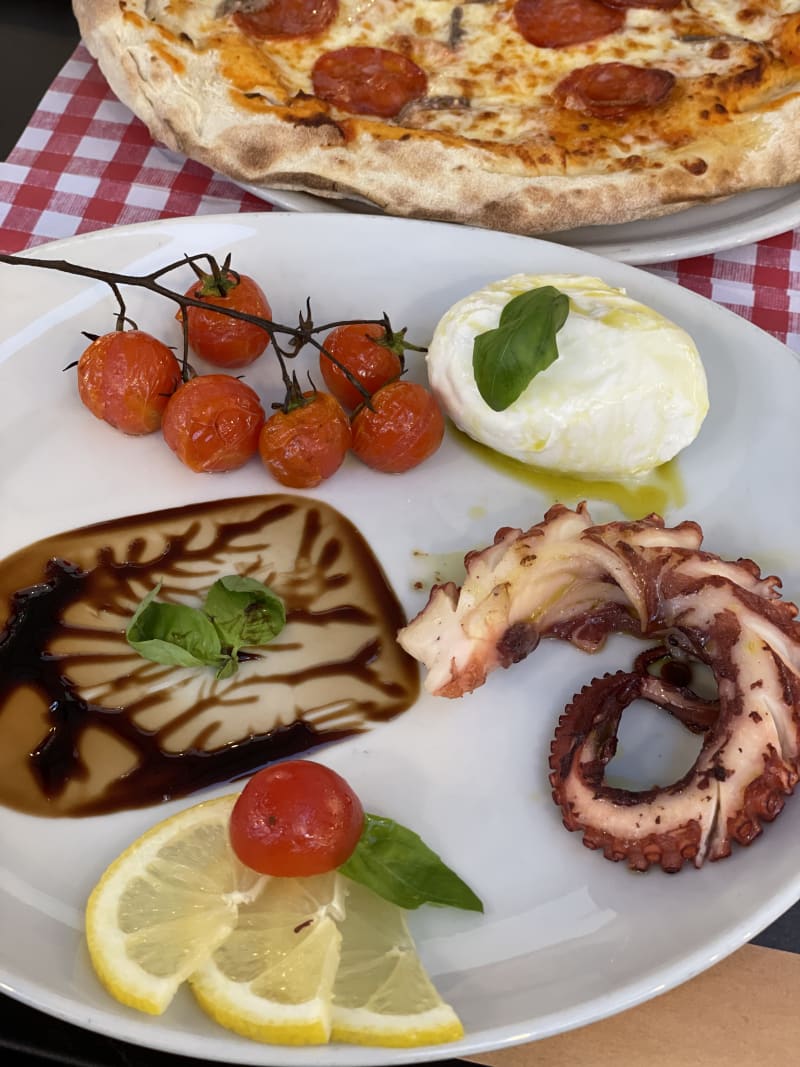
pixel 86 726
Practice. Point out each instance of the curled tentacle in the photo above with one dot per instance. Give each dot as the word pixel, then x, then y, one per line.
pixel 664 826
pixel 569 579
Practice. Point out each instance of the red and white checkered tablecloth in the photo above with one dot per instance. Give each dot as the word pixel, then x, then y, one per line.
pixel 84 162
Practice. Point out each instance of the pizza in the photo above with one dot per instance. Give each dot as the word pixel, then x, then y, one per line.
pixel 522 115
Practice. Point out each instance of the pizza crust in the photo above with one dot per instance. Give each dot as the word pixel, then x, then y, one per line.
pixel 189 107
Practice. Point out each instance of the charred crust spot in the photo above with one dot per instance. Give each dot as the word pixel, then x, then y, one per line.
pixel 720 773
pixel 317 121
pixel 457 31
pixel 695 166
pixel 755 716
pixel 719 50
pixel 752 76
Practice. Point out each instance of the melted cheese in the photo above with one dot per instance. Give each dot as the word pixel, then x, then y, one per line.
pixel 486 81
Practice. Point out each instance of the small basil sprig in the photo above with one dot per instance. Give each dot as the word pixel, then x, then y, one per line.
pixel 506 359
pixel 244 611
pixel 238 612
pixel 395 863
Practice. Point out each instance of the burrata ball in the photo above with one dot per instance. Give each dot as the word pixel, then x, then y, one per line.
pixel 627 392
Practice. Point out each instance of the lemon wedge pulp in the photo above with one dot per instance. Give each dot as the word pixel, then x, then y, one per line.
pixel 165 904
pixel 272 978
pixel 382 994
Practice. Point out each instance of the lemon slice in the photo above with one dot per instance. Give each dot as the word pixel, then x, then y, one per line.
pixel 165 904
pixel 272 979
pixel 382 994
pixel 294 961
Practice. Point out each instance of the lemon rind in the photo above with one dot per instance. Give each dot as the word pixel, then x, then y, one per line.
pixel 359 1026
pixel 261 1020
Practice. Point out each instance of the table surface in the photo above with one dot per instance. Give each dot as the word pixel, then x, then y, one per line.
pixel 36 38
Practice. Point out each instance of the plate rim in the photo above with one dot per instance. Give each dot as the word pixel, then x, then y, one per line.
pixel 495 1038
pixel 772 222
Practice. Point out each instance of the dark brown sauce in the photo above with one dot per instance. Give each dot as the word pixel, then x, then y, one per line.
pixel 87 726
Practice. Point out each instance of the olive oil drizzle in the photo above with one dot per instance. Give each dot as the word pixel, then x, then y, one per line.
pixel 656 492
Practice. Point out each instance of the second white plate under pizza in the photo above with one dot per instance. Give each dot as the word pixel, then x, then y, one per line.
pixel 698 231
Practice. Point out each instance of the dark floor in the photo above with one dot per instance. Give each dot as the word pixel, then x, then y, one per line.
pixel 36 37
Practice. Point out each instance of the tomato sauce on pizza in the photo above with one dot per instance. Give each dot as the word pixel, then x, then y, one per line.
pixel 527 115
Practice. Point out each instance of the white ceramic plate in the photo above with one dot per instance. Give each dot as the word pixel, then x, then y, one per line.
pixel 567 937
pixel 698 231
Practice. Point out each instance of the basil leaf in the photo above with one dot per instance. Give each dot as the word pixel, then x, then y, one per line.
pixel 173 634
pixel 228 665
pixel 395 863
pixel 506 359
pixel 244 611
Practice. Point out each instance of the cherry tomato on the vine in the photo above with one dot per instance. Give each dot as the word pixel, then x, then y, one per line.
pixel 219 339
pixel 403 426
pixel 126 378
pixel 296 819
pixel 305 445
pixel 357 347
pixel 212 422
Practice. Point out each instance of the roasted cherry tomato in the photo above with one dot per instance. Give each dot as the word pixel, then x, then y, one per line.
pixel 401 427
pixel 219 339
pixel 212 423
pixel 357 347
pixel 126 379
pixel 305 445
pixel 296 819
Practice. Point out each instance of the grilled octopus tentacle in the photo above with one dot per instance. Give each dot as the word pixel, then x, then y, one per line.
pixel 642 827
pixel 569 579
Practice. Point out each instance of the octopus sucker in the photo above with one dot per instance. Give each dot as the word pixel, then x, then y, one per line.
pixel 569 579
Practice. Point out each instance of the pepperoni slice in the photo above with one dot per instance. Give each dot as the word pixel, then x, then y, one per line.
pixel 368 81
pixel 288 18
pixel 654 5
pixel 609 90
pixel 560 23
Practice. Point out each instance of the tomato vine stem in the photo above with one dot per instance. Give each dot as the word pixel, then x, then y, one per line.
pixel 298 336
